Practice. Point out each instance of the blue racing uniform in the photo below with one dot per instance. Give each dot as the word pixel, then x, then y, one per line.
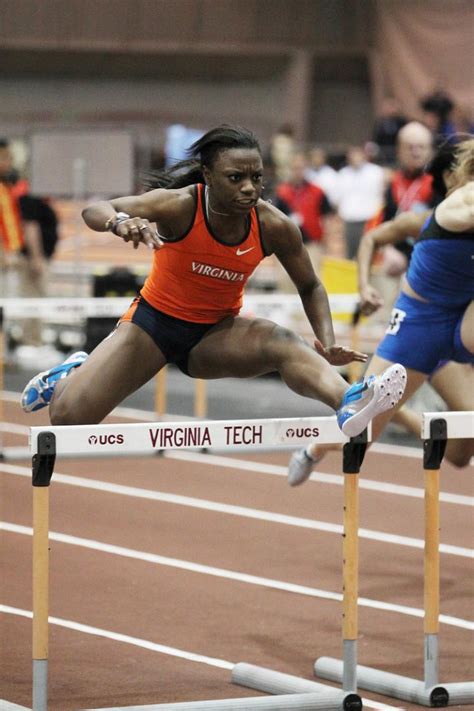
pixel 441 271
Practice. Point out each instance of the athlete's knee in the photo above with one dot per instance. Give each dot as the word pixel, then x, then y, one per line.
pixel 281 345
pixel 66 411
pixel 459 459
pixel 61 414
pixel 460 454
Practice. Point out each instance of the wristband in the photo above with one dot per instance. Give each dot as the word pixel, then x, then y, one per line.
pixel 113 222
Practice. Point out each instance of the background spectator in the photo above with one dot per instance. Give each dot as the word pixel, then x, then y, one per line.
pixel 27 237
pixel 321 174
pixel 282 147
pixel 360 188
pixel 409 189
pixel 306 204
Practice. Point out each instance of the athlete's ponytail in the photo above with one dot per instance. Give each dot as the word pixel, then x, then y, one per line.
pixel 203 152
pixel 182 173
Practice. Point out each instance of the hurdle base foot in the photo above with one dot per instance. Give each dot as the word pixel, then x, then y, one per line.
pixel 287 702
pixel 272 682
pixel 399 687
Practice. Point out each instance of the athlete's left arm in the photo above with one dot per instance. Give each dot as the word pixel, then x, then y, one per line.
pixel 287 245
pixel 456 212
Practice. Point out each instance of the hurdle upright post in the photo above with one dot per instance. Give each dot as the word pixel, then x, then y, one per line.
pixel 433 452
pixel 200 399
pixel 42 469
pixel 353 456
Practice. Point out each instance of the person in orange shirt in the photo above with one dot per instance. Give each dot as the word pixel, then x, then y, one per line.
pixel 214 230
pixel 307 205
pixel 11 231
pixel 22 258
pixel 18 238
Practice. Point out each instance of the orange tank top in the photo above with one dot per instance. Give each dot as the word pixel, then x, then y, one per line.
pixel 198 278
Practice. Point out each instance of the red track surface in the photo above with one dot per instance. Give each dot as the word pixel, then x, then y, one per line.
pixel 214 616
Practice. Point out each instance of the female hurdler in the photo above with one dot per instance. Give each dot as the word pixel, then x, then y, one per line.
pixel 214 229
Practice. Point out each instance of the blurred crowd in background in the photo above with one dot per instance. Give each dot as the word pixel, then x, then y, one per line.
pixel 333 196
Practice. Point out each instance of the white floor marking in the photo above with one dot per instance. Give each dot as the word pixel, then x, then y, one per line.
pixel 230 574
pixel 153 647
pixel 231 510
pixel 336 479
pixel 13 428
pixel 117 637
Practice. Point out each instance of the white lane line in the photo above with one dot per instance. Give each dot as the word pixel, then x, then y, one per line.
pixel 336 479
pixel 231 510
pixel 117 637
pixel 231 574
pixel 153 647
pixel 13 428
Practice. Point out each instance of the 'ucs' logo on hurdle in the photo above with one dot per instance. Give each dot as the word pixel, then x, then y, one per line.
pixel 106 439
pixel 302 432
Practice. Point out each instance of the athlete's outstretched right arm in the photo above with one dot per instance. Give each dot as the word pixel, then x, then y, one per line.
pixel 284 240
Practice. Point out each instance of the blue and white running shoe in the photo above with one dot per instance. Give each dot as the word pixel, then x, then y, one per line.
pixel 40 389
pixel 369 397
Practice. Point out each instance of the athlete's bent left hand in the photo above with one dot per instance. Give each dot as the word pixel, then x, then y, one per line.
pixel 339 355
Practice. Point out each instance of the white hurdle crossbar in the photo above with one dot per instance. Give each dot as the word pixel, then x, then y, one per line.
pixel 437 428
pixel 153 437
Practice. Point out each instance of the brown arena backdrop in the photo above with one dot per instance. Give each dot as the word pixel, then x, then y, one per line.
pixel 167 571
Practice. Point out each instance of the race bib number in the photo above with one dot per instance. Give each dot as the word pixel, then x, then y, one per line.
pixel 396 318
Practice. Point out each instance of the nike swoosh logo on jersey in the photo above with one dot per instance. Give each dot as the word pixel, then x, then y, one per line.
pixel 240 252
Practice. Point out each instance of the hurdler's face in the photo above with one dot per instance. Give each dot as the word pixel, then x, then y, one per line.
pixel 235 180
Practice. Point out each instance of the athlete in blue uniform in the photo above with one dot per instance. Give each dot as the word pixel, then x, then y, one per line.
pixel 433 317
pixel 427 318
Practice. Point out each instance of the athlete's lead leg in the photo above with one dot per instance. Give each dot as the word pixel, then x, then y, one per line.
pixel 242 348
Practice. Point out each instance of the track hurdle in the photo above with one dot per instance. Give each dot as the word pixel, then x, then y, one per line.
pixel 437 428
pixel 148 438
